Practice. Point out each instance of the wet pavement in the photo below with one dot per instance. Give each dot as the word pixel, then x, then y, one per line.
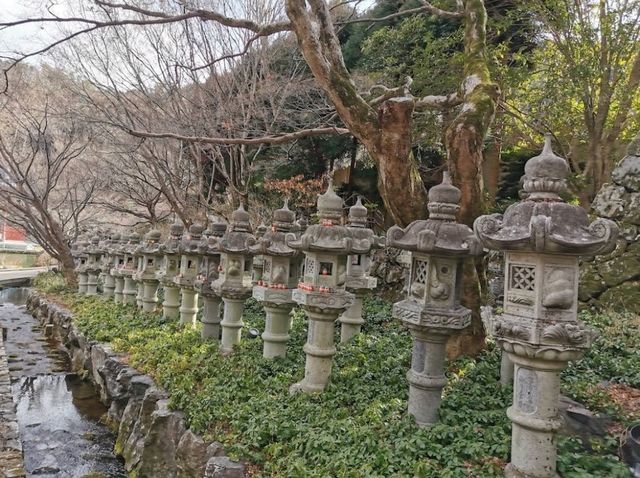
pixel 58 413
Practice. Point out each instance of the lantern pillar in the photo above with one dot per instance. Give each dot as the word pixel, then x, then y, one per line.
pixel 211 317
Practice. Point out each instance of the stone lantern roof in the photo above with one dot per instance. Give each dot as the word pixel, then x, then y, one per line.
pixel 132 243
pixel 439 234
pixel 234 241
pixel 209 242
pixel 171 244
pixel 151 242
pixel 191 243
pixel 329 235
pixel 543 222
pixel 357 224
pixel 273 242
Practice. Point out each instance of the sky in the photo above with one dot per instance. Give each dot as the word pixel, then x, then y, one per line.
pixel 27 37
pixel 30 37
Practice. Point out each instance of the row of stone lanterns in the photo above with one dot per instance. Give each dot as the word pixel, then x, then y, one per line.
pixel 324 270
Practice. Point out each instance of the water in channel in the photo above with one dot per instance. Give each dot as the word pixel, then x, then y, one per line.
pixel 58 413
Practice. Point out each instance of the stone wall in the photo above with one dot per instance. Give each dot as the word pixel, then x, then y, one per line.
pixel 153 440
pixel 11 462
pixel 613 281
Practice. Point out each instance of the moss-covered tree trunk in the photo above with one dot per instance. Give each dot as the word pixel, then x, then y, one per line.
pixel 464 140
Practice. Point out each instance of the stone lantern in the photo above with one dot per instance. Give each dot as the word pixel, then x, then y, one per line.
pixel 169 269
pixel 94 256
pixel 109 281
pixel 150 257
pixel 542 237
pixel 234 281
pixel 280 276
pixel 130 290
pixel 118 265
pixel 188 273
pixel 209 264
pixel 432 311
pixel 138 260
pixel 359 282
pixel 321 293
pixel 81 264
pixel 257 263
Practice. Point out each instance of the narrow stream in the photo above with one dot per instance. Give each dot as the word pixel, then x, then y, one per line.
pixel 58 413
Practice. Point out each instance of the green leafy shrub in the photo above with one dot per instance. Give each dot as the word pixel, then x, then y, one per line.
pixel 50 283
pixel 359 426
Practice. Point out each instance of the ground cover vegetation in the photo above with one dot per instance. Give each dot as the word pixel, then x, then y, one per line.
pixel 359 425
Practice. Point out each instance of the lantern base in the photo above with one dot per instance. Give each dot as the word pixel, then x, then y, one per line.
pixel 140 294
pixel 92 284
pixel 320 350
pixel 82 283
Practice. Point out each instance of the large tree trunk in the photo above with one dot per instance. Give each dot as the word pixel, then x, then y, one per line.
pixel 399 182
pixel 464 141
pixel 68 267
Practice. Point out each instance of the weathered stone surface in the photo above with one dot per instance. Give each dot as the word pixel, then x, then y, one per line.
pixel 627 173
pixel 622 297
pixel 591 283
pixel 620 269
pixel 610 201
pixel 223 467
pixel 157 452
pixel 191 455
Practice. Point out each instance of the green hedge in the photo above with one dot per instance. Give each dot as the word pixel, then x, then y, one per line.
pixel 359 427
